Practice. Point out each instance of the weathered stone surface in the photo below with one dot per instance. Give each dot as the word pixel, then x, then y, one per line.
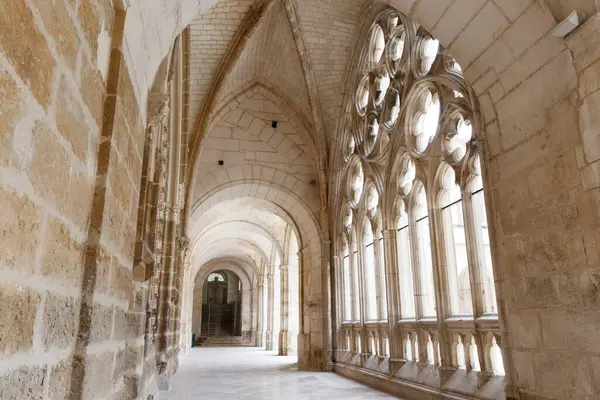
pixel 570 377
pixel 70 121
pixel 59 25
pixel 63 257
pixel 10 109
pixel 78 204
pixel 590 122
pixel 98 376
pixel 129 103
pixel 121 283
pixel 28 53
pixel 92 90
pixel 60 321
pixel 21 221
pixel 524 112
pixel 120 367
pixel 50 165
pixel 89 19
pixel 60 381
pixel 104 262
pixel 120 325
pixel 17 319
pixel 101 323
pixel 524 370
pixel 25 383
pixel 135 325
pixel 526 329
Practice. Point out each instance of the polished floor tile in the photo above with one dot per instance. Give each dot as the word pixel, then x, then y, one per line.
pixel 255 374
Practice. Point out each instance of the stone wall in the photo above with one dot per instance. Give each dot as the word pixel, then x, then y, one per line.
pixel 72 137
pixel 538 99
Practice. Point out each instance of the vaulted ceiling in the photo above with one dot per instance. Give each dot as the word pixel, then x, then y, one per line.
pixel 256 61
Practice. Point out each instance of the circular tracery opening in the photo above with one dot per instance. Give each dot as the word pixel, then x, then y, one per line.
pixel 347 220
pixel 378 43
pixel 397 46
pixel 427 119
pixel 428 52
pixel 371 132
pixel 356 184
pixel 391 112
pixel 407 175
pixel 382 83
pixel 372 200
pixel 461 134
pixel 362 95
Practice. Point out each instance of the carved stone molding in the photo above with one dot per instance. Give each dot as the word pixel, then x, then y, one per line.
pixel 158 108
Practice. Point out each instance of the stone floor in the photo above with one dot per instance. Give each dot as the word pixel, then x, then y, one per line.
pixel 254 374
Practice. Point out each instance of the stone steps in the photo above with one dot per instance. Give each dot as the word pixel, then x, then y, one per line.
pixel 223 341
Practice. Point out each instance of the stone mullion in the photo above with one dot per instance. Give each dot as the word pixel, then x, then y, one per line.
pixel 417 286
pixel 340 301
pixel 442 299
pixel 364 335
pixel 394 302
pixel 354 277
pixel 475 266
pixel 284 311
pixel 474 258
pixel 379 276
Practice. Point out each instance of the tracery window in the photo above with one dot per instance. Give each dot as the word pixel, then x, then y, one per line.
pixel 347 282
pixel 405 270
pixel 455 243
pixel 216 277
pixel 410 164
pixel 369 271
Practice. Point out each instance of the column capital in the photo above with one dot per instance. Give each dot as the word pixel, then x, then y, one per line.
pixel 387 233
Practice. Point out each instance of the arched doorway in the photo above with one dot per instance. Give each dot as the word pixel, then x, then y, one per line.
pixel 221 305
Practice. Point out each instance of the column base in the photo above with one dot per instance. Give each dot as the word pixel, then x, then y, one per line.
pixel 166 370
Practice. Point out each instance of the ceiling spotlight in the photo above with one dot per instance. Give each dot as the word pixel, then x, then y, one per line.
pixel 569 24
pixel 312 183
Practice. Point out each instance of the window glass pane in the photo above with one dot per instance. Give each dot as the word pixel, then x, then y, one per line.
pixel 426 268
pixel 459 282
pixel 483 239
pixel 369 271
pixel 405 273
pixel 382 280
pixel 356 286
pixel 347 291
pixel 371 290
pixel 216 277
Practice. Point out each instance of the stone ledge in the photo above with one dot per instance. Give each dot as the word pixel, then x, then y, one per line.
pixel 397 387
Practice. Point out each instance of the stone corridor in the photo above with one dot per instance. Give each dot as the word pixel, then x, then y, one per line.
pixel 403 192
pixel 255 374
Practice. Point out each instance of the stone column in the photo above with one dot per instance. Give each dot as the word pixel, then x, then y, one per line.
pixel 327 302
pixel 393 294
pixel 270 312
pixel 285 311
pixel 260 314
